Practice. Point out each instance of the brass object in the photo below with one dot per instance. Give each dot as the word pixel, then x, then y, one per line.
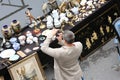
pixel 63 6
pixel 42 26
pixel 102 1
pixel 75 2
pixel 71 23
pixel 69 14
pixel 75 18
pixel 29 15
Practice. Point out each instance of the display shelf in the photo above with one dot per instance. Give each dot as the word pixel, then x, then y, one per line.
pixel 97 29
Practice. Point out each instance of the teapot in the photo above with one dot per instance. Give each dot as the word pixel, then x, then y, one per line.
pixel 69 14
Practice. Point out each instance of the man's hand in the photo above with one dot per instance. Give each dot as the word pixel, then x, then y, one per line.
pixel 54 31
pixel 59 37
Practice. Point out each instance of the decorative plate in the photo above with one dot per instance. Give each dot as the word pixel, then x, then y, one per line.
pixel 7 53
pixel 14 57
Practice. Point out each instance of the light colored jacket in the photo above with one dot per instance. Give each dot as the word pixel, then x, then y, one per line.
pixel 66 64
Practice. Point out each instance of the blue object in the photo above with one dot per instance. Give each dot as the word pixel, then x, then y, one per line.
pixel 116 24
pixel 16 46
pixel 82 78
pixel 116 41
pixel 13 40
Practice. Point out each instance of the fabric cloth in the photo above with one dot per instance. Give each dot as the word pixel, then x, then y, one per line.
pixel 66 64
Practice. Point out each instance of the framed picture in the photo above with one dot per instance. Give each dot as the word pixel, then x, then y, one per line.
pixel 28 68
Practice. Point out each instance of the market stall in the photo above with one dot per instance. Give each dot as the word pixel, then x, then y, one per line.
pixel 90 21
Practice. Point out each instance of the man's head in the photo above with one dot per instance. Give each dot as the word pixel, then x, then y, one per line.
pixel 68 36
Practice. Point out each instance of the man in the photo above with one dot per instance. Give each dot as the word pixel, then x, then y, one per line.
pixel 66 64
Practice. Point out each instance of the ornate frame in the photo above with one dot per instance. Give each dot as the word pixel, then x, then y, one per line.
pixel 27 68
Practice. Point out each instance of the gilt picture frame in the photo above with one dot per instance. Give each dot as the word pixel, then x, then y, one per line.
pixel 28 68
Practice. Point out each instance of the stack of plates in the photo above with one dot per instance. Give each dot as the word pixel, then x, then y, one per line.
pixel 9 53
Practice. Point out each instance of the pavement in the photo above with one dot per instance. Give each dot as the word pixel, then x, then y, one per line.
pixel 103 64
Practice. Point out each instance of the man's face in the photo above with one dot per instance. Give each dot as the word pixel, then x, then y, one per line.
pixel 59 36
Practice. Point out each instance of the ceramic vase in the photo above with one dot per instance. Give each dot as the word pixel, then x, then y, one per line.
pixel 16 26
pixel 6 31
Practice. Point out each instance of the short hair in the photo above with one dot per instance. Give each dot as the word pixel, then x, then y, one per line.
pixel 68 36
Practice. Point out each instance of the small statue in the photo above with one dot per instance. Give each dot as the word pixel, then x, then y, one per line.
pixel 101 30
pixel 94 36
pixel 109 19
pixel 88 44
pixel 107 29
pixel 30 15
pixel 44 8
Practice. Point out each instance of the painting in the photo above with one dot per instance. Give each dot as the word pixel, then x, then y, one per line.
pixel 28 68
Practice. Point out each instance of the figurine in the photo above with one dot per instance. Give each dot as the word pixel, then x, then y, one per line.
pixel 107 29
pixel 101 30
pixel 44 8
pixel 88 44
pixel 94 36
pixel 109 19
pixel 29 15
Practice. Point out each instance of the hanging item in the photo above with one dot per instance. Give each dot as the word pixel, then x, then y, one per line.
pixel 6 31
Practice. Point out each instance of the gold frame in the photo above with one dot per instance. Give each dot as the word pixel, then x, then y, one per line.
pixel 29 68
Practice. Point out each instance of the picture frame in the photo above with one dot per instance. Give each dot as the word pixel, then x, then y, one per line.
pixel 29 68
